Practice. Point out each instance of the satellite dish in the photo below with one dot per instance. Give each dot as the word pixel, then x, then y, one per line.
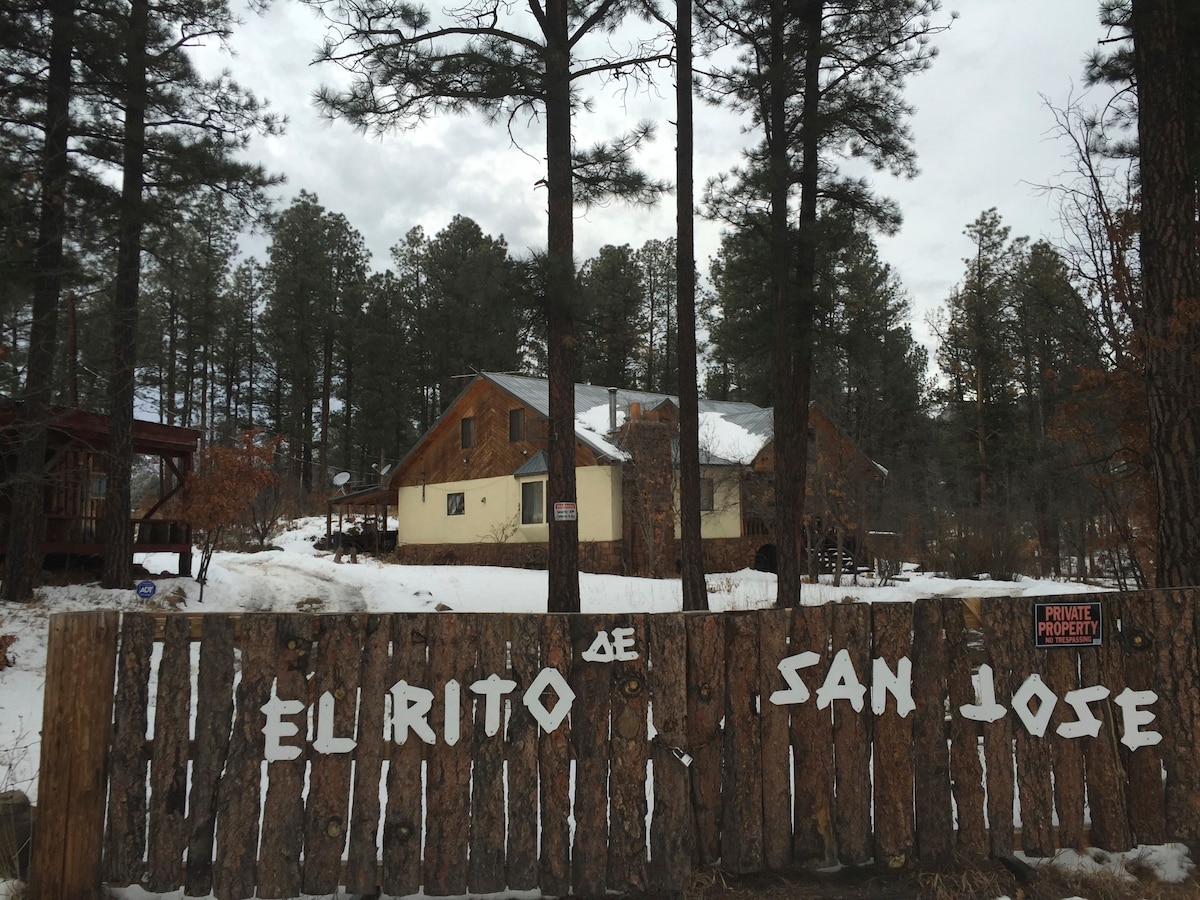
pixel 341 478
pixel 386 469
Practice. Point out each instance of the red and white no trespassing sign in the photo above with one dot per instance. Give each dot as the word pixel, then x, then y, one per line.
pixel 1068 624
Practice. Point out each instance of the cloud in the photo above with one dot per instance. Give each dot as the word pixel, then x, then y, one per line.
pixel 980 131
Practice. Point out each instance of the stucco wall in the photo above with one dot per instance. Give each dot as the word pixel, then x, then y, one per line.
pixel 724 520
pixel 491 510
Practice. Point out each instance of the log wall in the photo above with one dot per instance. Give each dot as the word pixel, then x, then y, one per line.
pixel 491 752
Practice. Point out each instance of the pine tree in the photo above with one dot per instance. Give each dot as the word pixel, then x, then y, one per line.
pixel 818 78
pixel 389 405
pixel 317 268
pixel 611 303
pixel 1167 66
pixel 168 129
pixel 976 352
pixel 695 592
pixel 472 314
pixel 406 66
pixel 660 269
pixel 23 557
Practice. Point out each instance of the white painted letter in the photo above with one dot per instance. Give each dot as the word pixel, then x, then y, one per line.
pixel 842 681
pixel 275 709
pixel 622 639
pixel 549 719
pixel 493 688
pixel 325 741
pixel 987 710
pixel 601 650
pixel 1132 718
pixel 453 707
pixel 1086 723
pixel 789 667
pixel 410 709
pixel 1035 723
pixel 898 684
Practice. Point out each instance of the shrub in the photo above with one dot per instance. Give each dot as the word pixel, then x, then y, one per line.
pixel 6 641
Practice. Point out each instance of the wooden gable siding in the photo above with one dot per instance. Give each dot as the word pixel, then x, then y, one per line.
pixel 440 457
pixel 837 446
pixel 829 444
pixel 828 439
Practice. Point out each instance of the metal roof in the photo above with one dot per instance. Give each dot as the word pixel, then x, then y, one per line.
pixel 756 421
pixel 538 464
pixel 535 393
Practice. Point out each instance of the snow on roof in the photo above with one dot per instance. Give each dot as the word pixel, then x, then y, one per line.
pixel 591 427
pixel 731 432
pixel 596 419
pixel 722 438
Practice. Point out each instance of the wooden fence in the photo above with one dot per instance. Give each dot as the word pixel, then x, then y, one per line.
pixel 436 750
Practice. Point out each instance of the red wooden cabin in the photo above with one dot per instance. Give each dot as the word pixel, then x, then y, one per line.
pixel 76 475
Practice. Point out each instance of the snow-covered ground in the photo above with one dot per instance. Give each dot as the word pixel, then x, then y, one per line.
pixel 299 577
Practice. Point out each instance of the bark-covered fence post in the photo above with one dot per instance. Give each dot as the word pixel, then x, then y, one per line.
pixel 81 662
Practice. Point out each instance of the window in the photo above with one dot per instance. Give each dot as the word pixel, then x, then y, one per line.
pixel 468 432
pixel 456 504
pixel 532 495
pixel 516 424
pixel 706 495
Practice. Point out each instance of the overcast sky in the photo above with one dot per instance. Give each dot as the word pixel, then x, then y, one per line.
pixel 981 128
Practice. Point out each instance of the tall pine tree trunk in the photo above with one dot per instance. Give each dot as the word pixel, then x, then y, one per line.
pixel 560 314
pixel 806 257
pixel 118 533
pixel 326 405
pixel 794 314
pixel 72 352
pixel 1171 285
pixel 27 522
pixel 695 596
pixel 788 513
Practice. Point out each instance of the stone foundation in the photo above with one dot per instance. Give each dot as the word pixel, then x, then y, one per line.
pixel 598 557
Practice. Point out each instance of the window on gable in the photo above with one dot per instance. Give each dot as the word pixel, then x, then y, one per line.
pixel 456 504
pixel 468 432
pixel 533 502
pixel 706 495
pixel 516 424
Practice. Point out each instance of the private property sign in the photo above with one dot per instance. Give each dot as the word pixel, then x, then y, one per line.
pixel 1068 624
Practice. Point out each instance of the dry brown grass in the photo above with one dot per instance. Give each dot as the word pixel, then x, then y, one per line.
pixel 6 641
pixel 1052 884
pixel 15 828
pixel 984 881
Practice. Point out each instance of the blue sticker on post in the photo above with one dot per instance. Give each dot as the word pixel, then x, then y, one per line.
pixel 1068 623
pixel 146 589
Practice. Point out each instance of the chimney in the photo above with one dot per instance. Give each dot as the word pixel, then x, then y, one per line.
pixel 612 410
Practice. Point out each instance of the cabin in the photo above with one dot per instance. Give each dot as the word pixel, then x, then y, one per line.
pixel 77 445
pixel 474 487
